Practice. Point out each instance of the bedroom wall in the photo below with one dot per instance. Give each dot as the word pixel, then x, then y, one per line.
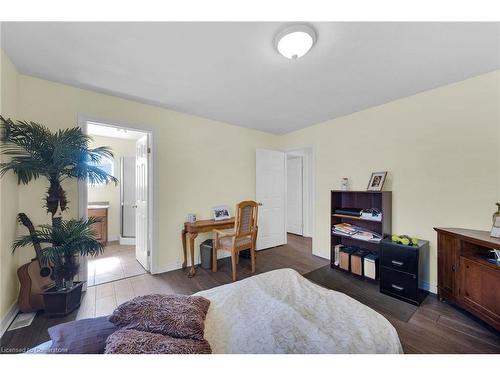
pixel 111 192
pixel 194 155
pixel 441 148
pixel 8 198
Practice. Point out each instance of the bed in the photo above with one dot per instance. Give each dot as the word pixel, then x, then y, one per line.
pixel 282 312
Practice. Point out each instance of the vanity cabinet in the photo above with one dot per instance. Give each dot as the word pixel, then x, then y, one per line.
pixel 101 228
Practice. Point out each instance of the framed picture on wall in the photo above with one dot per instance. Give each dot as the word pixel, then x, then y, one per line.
pixel 376 182
pixel 221 213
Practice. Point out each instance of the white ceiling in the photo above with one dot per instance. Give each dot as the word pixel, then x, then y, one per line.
pixel 231 72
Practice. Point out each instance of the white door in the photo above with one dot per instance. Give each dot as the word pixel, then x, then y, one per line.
pixel 141 201
pixel 270 192
pixel 294 195
pixel 128 197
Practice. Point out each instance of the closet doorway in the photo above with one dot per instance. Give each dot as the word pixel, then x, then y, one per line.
pixel 299 191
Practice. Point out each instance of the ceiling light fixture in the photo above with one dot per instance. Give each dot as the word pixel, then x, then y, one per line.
pixel 295 41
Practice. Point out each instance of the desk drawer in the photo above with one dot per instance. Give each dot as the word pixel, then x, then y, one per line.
pixel 399 258
pixel 399 283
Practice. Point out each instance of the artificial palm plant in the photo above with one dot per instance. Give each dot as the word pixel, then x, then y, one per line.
pixel 36 152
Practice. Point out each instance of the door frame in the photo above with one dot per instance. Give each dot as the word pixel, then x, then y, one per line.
pixel 153 182
pixel 307 152
pixel 301 158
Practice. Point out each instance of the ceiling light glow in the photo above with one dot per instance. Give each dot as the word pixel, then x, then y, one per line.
pixel 295 41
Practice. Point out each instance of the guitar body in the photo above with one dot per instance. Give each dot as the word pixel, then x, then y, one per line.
pixel 32 287
pixel 34 278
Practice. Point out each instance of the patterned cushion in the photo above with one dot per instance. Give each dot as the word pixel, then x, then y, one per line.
pixel 130 341
pixel 173 315
pixel 226 242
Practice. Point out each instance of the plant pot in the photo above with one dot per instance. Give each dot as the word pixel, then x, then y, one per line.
pixel 62 302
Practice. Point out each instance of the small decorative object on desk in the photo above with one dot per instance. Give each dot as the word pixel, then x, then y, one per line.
pixel 405 240
pixel 191 218
pixel 221 213
pixel 344 184
pixel 376 182
pixel 495 229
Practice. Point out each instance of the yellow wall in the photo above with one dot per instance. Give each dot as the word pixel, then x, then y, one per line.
pixel 111 192
pixel 441 148
pixel 8 195
pixel 200 163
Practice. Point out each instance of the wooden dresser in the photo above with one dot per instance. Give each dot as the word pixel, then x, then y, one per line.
pixel 465 277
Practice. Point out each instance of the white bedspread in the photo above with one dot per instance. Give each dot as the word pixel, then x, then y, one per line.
pixel 282 312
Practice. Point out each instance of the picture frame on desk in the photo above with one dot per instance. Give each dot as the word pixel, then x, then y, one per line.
pixel 221 213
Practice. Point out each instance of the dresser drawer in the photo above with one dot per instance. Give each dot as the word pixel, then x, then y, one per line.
pixel 398 283
pixel 401 259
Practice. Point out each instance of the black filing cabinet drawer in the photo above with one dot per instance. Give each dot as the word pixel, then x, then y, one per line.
pixel 400 284
pixel 401 268
pixel 399 258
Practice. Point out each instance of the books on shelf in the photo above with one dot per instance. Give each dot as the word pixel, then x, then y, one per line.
pixel 356 212
pixel 345 228
pixel 367 236
pixel 370 216
pixel 356 232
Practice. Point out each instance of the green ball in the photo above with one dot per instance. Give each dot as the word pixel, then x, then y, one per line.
pixel 405 241
pixel 414 241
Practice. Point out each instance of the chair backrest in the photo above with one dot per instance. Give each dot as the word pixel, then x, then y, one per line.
pixel 246 218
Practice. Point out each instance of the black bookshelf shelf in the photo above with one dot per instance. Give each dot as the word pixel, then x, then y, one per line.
pixel 355 218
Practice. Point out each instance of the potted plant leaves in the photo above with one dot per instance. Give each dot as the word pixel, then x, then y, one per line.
pixel 37 152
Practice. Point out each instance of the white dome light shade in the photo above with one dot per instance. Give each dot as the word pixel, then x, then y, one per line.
pixel 295 41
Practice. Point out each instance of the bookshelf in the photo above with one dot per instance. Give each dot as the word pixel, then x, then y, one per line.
pixel 381 200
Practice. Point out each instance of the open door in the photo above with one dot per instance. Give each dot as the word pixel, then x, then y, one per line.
pixel 294 196
pixel 270 193
pixel 141 202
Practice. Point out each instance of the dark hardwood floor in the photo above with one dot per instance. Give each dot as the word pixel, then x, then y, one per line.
pixel 435 327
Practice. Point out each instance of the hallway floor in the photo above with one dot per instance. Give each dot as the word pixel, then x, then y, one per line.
pixel 116 263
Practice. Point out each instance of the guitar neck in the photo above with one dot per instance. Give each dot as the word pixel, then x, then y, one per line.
pixel 23 219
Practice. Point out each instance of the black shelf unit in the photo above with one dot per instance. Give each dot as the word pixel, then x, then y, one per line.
pixel 381 200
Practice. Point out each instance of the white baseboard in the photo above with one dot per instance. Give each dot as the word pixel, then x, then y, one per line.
pixel 127 240
pixel 8 318
pixel 113 238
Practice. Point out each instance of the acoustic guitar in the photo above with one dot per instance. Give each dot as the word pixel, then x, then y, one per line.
pixel 33 276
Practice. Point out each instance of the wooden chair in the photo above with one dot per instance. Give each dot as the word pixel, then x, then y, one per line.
pixel 242 237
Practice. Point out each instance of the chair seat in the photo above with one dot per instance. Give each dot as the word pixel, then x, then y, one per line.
pixel 226 242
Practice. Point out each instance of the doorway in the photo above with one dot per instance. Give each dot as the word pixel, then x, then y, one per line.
pixel 294 195
pixel 299 191
pixel 123 209
pixel 285 206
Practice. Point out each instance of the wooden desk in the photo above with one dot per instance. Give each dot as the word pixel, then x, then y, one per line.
pixel 191 230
